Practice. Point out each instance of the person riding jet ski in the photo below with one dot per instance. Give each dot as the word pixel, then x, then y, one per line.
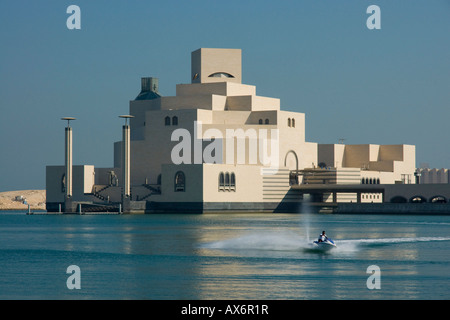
pixel 324 243
pixel 322 237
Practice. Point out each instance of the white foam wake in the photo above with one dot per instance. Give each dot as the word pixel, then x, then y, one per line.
pixel 256 241
pixel 290 241
pixel 394 240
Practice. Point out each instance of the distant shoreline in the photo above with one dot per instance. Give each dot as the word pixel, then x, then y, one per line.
pixel 19 200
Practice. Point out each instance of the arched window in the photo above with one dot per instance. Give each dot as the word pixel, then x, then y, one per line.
pixel 221 181
pixel 174 120
pixel 267 121
pixel 227 180
pixel 370 181
pixel 180 182
pixel 233 181
pixel 289 122
pixel 293 123
pixel 220 75
pixel 438 199
pixel 167 121
pixel 418 199
pixel 378 180
pixel 363 181
pixel 260 121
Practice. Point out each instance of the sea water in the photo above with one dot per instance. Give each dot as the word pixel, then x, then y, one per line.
pixel 223 256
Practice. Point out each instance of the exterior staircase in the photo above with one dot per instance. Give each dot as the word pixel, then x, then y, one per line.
pixel 98 194
pixel 152 189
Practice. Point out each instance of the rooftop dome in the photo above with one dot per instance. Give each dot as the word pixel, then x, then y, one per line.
pixel 149 89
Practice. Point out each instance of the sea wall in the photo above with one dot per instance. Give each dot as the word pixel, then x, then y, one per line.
pixel 393 208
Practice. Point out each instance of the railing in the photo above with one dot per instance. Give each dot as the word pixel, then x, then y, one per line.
pixel 153 190
pixel 98 195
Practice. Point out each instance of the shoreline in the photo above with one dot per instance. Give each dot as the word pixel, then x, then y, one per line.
pixel 18 200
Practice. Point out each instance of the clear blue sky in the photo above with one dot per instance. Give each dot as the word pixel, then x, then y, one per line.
pixel 388 86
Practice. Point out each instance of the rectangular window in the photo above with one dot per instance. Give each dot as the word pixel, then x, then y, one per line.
pixel 406 178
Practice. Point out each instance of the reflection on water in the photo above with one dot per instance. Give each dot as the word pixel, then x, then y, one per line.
pixel 337 274
pixel 231 256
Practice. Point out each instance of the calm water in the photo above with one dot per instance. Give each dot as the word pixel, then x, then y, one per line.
pixel 223 256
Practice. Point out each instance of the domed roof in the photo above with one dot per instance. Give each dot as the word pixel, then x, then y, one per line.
pixel 149 89
pixel 148 95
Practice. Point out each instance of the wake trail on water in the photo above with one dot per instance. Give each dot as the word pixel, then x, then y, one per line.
pixel 288 241
pixel 291 241
pixel 392 240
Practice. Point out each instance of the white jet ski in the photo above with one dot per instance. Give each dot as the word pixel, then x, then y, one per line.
pixel 328 244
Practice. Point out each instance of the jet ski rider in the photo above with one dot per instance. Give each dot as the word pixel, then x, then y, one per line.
pixel 323 237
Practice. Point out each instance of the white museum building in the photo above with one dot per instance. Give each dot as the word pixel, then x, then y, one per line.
pixel 217 146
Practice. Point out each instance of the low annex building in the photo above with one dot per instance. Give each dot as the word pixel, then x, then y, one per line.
pixel 218 146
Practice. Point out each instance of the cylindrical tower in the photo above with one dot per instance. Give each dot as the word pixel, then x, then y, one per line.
pixel 126 193
pixel 126 160
pixel 68 161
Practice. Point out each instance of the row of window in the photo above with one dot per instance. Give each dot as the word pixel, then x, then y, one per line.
pixel 406 178
pixel 370 196
pixel 419 199
pixel 291 122
pixel 168 122
pixel 227 181
pixel 370 180
pixel 174 121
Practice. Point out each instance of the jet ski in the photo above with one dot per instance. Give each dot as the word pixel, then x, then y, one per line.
pixel 328 244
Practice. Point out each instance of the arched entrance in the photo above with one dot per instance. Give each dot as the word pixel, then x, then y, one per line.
pixel 398 199
pixel 291 162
